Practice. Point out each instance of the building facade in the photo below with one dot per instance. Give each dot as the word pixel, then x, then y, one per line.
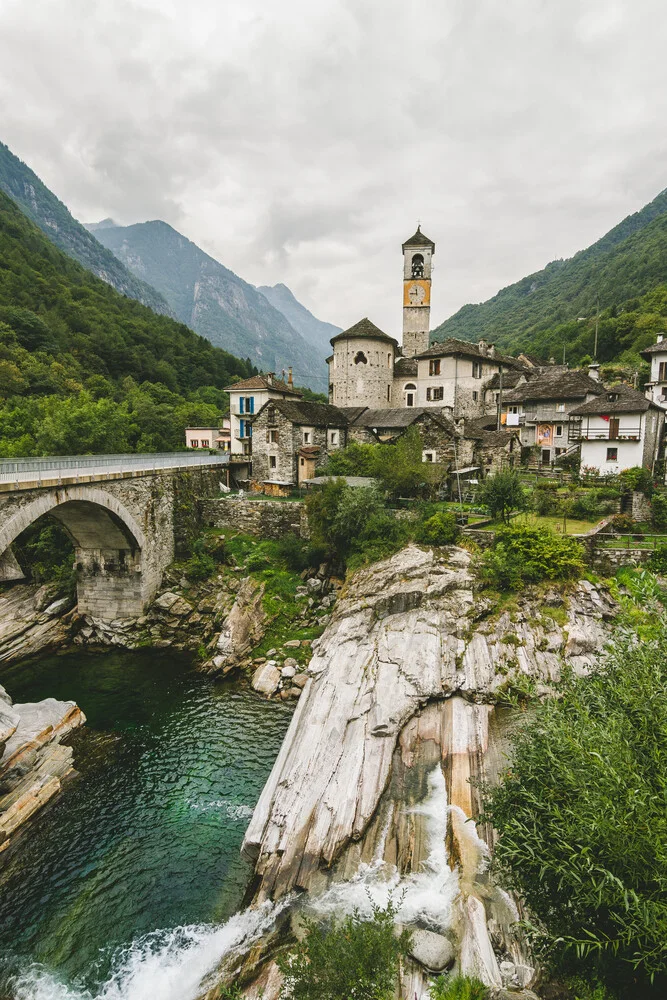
pixel 618 429
pixel 656 387
pixel 209 437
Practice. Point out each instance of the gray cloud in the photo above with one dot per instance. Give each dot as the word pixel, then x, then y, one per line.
pixel 300 142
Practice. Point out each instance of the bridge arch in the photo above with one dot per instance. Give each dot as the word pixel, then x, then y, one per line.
pixel 110 547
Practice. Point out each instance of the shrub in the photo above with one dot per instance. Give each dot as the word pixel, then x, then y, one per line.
pixel 439 529
pixel 582 822
pixel 528 555
pixel 503 494
pixel 544 502
pixel 638 478
pixel 200 565
pixel 622 522
pixel 659 511
pixel 458 988
pixel 351 958
pixel 347 520
pixel 298 554
pixel 657 561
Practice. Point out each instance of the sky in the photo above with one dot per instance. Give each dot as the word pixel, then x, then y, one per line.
pixel 300 141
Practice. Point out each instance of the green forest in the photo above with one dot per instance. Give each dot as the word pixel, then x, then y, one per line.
pixel 556 308
pixel 83 369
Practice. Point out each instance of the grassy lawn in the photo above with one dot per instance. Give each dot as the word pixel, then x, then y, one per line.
pixel 555 524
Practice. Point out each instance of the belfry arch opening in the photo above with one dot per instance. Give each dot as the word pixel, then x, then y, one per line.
pixel 417 265
pixel 360 358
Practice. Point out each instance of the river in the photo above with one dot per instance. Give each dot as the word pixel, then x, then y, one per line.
pixel 121 888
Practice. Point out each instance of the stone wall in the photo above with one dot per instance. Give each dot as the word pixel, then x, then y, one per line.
pixel 641 507
pixel 264 518
pixel 607 561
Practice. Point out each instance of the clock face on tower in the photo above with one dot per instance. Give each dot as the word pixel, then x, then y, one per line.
pixel 416 293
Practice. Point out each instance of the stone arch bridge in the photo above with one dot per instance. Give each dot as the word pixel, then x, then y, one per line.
pixel 127 515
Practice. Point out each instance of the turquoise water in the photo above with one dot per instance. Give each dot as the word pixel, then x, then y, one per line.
pixel 138 859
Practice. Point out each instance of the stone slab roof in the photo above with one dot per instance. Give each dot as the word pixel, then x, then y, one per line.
pixel 309 414
pixel 615 399
pixel 419 240
pixel 554 384
pixel 401 417
pixel 654 349
pixel 406 368
pixel 453 346
pixel 365 330
pixel 264 382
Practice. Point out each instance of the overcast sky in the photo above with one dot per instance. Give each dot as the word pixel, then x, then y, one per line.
pixel 301 140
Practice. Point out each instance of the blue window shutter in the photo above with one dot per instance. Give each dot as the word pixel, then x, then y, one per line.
pixel 249 430
pixel 251 400
pixel 242 427
pixel 241 405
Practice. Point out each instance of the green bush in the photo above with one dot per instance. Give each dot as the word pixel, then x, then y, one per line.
pixel 298 554
pixel 522 554
pixel 545 503
pixel 659 511
pixel 458 988
pixel 200 565
pixel 350 959
pixel 657 561
pixel 439 529
pixel 622 522
pixel 502 494
pixel 638 478
pixel 582 820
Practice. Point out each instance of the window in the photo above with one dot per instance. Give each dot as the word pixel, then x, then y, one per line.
pixel 333 437
pixel 417 266
pixel 410 399
pixel 360 358
pixel 434 366
pixel 560 407
pixel 273 461
pixel 306 437
pixel 303 461
pixel 272 437
pixel 388 393
pixel 246 404
pixel 409 389
pixel 194 443
pixel 428 456
pixel 612 454
pixel 388 360
pixel 475 396
pixel 205 443
pixel 662 371
pixel 559 430
pixel 435 393
pixel 477 369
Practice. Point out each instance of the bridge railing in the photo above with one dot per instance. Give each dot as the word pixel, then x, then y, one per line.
pixel 69 466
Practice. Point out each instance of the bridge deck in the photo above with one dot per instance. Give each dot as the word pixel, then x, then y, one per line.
pixel 28 473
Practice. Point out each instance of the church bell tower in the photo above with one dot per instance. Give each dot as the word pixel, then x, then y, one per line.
pixel 417 254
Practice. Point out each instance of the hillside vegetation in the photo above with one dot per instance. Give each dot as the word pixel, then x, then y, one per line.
pixel 540 313
pixel 33 198
pixel 84 369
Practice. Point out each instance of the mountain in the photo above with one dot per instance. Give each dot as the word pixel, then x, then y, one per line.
pixel 314 330
pixel 214 301
pixel 629 261
pixel 84 369
pixel 33 197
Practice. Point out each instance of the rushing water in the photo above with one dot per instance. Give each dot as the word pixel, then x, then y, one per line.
pixel 121 889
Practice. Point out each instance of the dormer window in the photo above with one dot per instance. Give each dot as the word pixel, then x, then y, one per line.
pixel 612 397
pixel 360 358
pixel 417 266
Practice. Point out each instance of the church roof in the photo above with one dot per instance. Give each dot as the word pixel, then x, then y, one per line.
pixel 363 330
pixel 453 346
pixel 405 367
pixel 419 240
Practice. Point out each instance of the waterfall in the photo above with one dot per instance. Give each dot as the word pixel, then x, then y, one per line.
pixel 163 965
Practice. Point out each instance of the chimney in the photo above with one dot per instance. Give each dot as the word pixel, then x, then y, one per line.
pixel 492 350
pixel 290 381
pixel 482 347
pixel 594 372
pixel 269 379
pixel 660 339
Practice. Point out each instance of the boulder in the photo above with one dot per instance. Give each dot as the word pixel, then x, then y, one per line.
pixel 58 607
pixel 434 951
pixel 314 585
pixel 288 671
pixel 165 601
pixel 243 627
pixel 300 680
pixel 292 644
pixel 291 662
pixel 266 678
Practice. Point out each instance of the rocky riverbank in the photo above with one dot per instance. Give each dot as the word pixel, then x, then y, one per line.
pixel 377 779
pixel 33 760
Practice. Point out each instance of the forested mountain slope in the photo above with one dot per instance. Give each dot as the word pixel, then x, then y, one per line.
pixel 627 262
pixel 85 369
pixel 33 197
pixel 213 300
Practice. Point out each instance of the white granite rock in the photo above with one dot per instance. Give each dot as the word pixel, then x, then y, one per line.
pixel 266 679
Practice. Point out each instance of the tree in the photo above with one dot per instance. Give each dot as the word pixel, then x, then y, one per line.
pixel 350 959
pixel 582 816
pixel 503 494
